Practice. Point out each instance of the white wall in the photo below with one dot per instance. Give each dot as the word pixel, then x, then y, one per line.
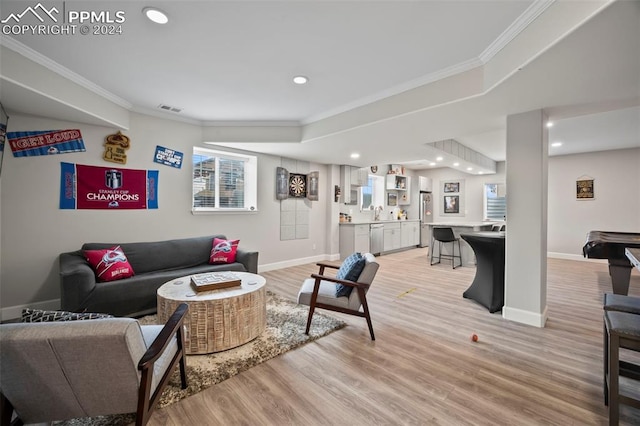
pixel 35 230
pixel 616 206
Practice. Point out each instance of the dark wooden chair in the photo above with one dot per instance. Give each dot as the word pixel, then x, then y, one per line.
pixel 319 291
pixel 63 370
pixel 621 331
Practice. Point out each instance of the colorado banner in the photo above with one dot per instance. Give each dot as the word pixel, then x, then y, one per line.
pixel 91 187
pixel 47 142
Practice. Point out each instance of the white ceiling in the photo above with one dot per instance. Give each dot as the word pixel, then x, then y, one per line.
pixel 371 65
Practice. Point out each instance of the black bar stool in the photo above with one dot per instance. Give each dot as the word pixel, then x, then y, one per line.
pixel 445 235
pixel 621 331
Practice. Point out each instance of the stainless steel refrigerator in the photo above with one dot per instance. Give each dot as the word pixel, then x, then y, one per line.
pixel 426 217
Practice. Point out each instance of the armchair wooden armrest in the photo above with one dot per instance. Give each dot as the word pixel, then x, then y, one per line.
pixel 323 265
pixel 173 327
pixel 339 281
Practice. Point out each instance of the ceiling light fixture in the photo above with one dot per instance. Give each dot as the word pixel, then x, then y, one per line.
pixel 355 155
pixel 549 123
pixel 300 79
pixel 155 15
pixel 469 168
pixel 432 164
pixel 439 159
pixel 456 164
pixel 556 144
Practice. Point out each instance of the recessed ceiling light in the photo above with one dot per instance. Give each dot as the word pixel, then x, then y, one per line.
pixel 469 168
pixel 456 164
pixel 549 123
pixel 155 15
pixel 355 155
pixel 439 159
pixel 480 172
pixel 432 164
pixel 300 79
pixel 556 144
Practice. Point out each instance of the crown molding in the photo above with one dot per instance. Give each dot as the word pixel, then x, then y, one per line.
pixel 396 90
pixel 165 115
pixel 240 123
pixel 51 65
pixel 516 27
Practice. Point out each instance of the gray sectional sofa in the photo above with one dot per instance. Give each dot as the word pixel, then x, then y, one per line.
pixel 153 263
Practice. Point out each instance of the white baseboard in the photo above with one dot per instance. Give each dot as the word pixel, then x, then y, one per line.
pixel 296 262
pixel 568 256
pixel 13 312
pixel 525 317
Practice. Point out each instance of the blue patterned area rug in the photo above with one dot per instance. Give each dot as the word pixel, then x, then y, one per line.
pixel 286 322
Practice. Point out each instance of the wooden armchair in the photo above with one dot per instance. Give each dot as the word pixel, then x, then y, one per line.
pixel 319 291
pixel 63 370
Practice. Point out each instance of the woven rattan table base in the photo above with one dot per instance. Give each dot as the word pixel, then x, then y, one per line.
pixel 220 319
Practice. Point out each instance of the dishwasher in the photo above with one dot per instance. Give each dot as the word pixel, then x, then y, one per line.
pixel 377 238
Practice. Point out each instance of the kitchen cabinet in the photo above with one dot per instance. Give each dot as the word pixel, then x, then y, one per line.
pixel 353 238
pixel 392 236
pixel 359 176
pixel 350 178
pixel 409 234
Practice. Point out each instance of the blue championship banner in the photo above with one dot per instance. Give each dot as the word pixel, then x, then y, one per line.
pixel 168 157
pixel 92 187
pixel 47 142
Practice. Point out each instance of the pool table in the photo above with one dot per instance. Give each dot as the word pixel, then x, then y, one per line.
pixel 611 246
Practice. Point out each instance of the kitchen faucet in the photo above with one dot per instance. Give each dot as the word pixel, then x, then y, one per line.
pixel 376 213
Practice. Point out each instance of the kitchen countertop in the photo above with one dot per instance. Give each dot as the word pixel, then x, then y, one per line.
pixel 369 222
pixel 462 224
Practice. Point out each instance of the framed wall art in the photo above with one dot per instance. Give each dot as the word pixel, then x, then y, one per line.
pixel 452 187
pixel 452 204
pixel 451 198
pixel 584 188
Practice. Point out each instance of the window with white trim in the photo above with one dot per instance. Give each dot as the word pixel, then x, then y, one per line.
pixel 495 201
pixel 224 181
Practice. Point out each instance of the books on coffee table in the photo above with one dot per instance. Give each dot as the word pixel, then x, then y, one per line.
pixel 214 281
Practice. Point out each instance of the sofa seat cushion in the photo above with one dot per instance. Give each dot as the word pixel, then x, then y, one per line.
pixel 136 296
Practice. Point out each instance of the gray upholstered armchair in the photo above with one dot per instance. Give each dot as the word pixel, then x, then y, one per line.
pixel 320 291
pixel 63 370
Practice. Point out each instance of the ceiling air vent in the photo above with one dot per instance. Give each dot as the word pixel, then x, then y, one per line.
pixel 169 108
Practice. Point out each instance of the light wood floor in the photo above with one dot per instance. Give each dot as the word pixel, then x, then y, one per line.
pixel 423 367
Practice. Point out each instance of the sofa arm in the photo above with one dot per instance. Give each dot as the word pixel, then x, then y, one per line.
pixel 249 259
pixel 77 281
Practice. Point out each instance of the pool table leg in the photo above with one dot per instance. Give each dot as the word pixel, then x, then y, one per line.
pixel 620 275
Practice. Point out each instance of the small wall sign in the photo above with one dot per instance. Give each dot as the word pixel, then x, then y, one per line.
pixel 168 157
pixel 584 189
pixel 115 148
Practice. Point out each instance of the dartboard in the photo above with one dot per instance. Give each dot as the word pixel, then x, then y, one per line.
pixel 297 185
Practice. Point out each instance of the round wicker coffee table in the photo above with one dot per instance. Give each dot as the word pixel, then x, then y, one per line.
pixel 218 319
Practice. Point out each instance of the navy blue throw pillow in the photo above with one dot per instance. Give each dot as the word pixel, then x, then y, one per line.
pixel 350 270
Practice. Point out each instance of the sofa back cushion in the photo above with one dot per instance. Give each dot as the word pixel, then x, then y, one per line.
pixel 163 255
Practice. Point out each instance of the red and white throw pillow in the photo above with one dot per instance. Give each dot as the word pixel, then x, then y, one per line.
pixel 109 264
pixel 223 251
